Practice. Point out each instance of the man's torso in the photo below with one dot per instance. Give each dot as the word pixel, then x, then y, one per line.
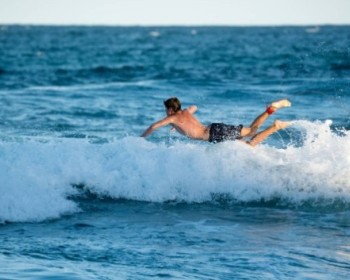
pixel 186 124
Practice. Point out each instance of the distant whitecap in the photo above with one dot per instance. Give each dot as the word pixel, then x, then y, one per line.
pixel 154 33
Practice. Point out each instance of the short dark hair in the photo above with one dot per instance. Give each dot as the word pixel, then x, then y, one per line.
pixel 173 103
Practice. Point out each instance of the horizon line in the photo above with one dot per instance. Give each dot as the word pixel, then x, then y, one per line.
pixel 176 25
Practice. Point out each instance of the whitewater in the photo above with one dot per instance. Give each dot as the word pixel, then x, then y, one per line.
pixel 40 177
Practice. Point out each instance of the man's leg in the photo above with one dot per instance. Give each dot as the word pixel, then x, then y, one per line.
pixel 261 136
pixel 252 129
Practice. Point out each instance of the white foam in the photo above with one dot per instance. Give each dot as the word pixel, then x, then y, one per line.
pixel 154 33
pixel 36 177
pixel 315 29
pixel 145 83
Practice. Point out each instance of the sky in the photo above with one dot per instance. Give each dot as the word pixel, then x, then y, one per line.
pixel 175 12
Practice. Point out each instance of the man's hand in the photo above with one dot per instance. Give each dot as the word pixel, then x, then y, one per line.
pixel 192 109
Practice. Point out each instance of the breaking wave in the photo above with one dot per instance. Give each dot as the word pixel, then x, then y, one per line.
pixel 38 178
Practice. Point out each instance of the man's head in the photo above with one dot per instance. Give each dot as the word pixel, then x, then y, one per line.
pixel 172 105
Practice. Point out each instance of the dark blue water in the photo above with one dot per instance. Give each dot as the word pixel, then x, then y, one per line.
pixel 82 196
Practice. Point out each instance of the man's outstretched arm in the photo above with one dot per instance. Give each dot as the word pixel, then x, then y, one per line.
pixel 156 125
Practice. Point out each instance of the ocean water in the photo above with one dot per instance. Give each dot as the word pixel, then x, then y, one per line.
pixel 82 196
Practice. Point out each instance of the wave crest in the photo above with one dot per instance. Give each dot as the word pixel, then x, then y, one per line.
pixel 38 178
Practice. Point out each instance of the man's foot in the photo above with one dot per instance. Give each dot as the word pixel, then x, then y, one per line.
pixel 274 106
pixel 281 103
pixel 281 125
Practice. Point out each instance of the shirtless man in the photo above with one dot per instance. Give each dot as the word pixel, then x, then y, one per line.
pixel 185 123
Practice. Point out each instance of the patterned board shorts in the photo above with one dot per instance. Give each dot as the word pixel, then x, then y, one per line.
pixel 220 132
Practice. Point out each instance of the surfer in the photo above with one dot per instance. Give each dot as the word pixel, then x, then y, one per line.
pixel 184 121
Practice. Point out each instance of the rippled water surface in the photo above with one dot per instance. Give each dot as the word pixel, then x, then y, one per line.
pixel 82 196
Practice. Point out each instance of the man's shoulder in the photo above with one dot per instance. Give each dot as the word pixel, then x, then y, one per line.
pixel 183 116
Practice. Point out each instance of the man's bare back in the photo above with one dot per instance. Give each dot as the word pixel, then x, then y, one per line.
pixel 185 123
